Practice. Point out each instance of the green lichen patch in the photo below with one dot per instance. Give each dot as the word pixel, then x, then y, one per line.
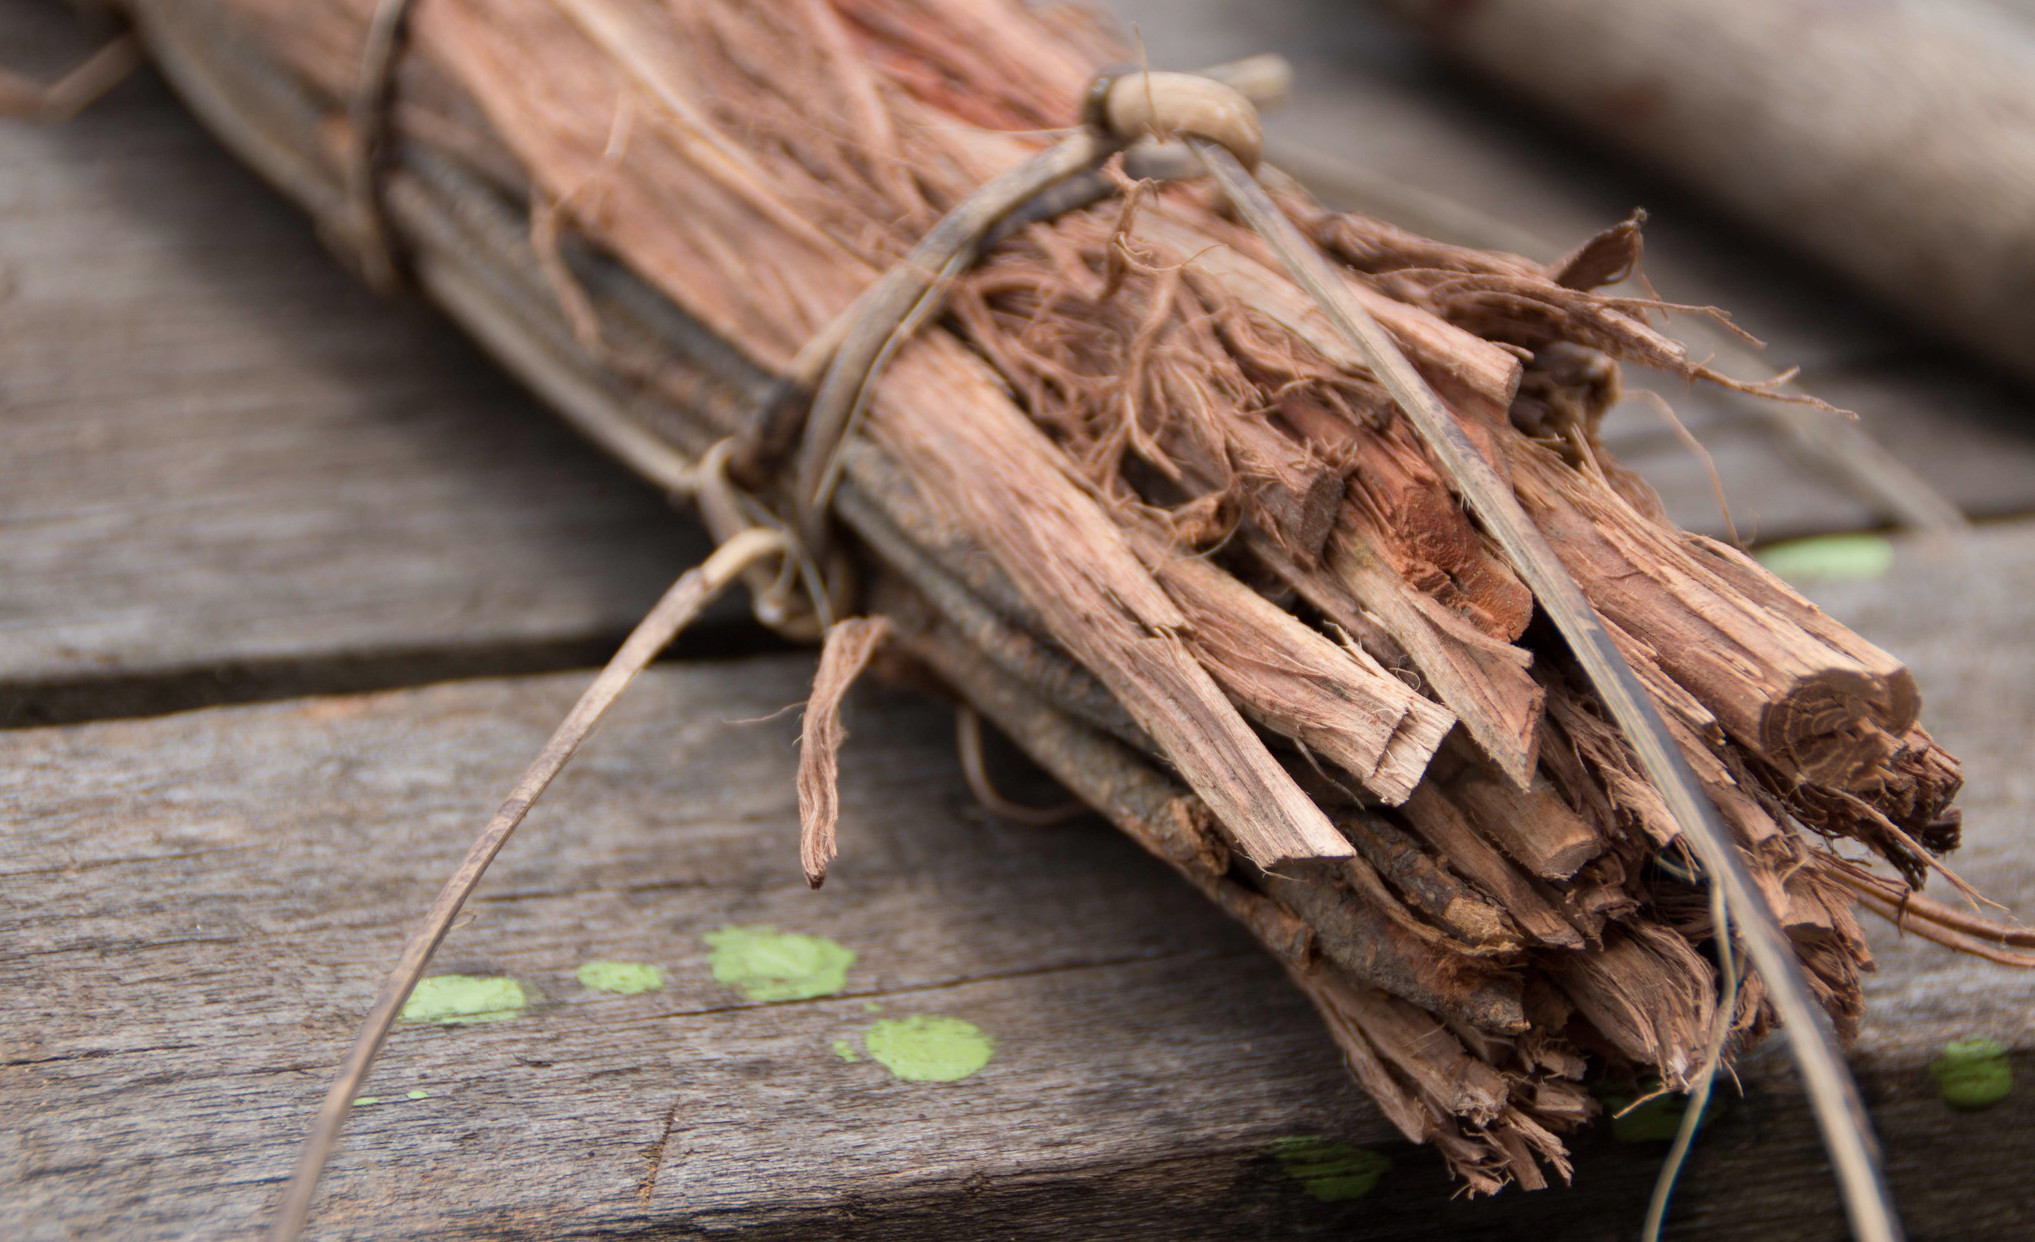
pixel 846 1051
pixel 417 1093
pixel 1830 558
pixel 1330 1170
pixel 465 1000
pixel 769 965
pixel 1973 1073
pixel 929 1048
pixel 621 978
pixel 362 1101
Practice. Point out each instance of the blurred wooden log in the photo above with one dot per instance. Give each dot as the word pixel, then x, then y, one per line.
pixel 1894 141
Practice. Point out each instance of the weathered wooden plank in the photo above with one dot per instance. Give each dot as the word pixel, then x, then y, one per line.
pixel 193 910
pixel 226 460
pixel 190 941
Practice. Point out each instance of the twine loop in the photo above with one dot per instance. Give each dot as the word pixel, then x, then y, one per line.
pixel 1124 111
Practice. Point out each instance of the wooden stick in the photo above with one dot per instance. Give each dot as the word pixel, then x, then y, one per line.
pixel 1297 683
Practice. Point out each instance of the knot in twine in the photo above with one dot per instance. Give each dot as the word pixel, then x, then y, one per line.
pixel 1130 104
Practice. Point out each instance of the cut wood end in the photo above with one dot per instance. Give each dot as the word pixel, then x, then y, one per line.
pixel 1838 727
pixel 1411 748
pixel 1512 747
pixel 1288 850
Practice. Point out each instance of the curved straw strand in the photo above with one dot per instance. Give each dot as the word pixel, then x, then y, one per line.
pixel 367 118
pixel 1847 1133
pixel 870 328
pixel 968 744
pixel 692 592
pixel 77 90
pixel 1941 933
pixel 1914 907
pixel 1706 1078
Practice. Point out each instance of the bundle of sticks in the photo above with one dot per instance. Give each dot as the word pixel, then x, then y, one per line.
pixel 1132 500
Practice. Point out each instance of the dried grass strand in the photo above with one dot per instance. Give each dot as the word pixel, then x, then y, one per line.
pixel 693 591
pixel 77 89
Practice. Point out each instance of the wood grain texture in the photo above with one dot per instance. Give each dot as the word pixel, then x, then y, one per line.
pixel 197 907
pixel 226 460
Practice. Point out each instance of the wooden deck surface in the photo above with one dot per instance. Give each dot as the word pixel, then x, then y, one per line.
pixel 226 474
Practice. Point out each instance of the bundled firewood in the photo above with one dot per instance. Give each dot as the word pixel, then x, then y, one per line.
pixel 1131 498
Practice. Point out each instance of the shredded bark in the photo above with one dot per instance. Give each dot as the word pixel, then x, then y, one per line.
pixel 846 652
pixel 1135 501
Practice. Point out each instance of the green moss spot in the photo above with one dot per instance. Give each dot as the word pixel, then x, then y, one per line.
pixel 1973 1073
pixel 871 1007
pixel 1831 558
pixel 465 1000
pixel 1329 1169
pixel 846 1051
pixel 929 1048
pixel 622 978
pixel 418 1093
pixel 362 1101
pixel 768 965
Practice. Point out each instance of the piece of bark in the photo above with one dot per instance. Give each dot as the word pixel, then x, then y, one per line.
pixel 1428 886
pixel 1827 711
pixel 1337 1000
pixel 1442 824
pixel 1433 1059
pixel 1363 941
pixel 1598 896
pixel 1428 1084
pixel 1362 879
pixel 1534 826
pixel 849 645
pixel 1336 702
pixel 1009 488
pixel 1483 680
pixel 1400 507
pixel 1648 994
